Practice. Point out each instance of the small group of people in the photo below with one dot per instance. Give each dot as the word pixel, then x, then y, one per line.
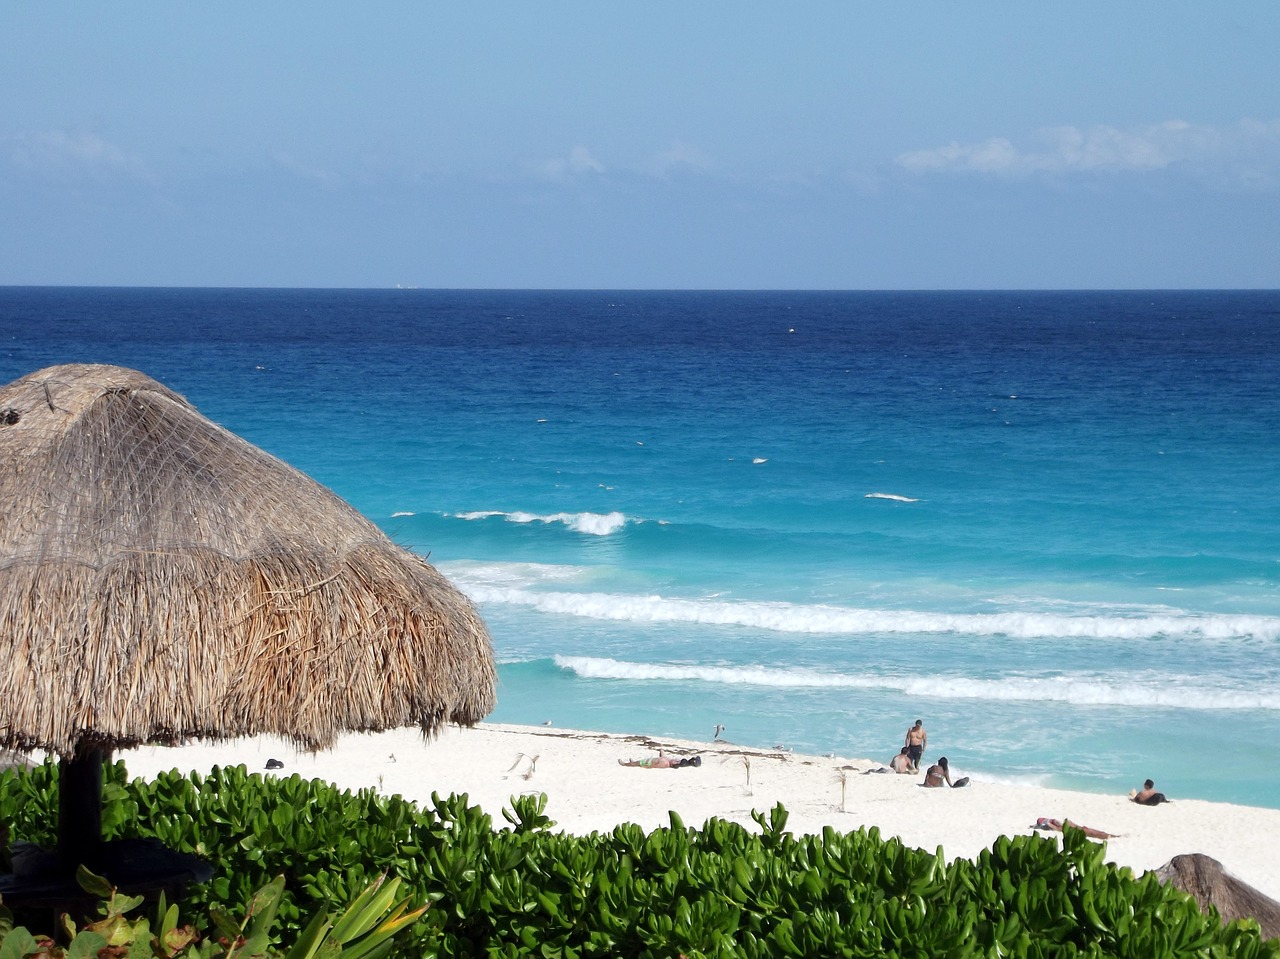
pixel 908 759
pixel 1146 796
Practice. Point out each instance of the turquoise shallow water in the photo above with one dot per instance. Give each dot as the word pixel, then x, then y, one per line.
pixel 1045 523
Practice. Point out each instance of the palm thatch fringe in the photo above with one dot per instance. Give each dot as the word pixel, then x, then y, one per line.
pixel 1205 879
pixel 162 579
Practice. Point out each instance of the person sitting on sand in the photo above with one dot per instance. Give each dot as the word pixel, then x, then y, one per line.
pixel 662 762
pixel 901 763
pixel 1147 796
pixel 938 773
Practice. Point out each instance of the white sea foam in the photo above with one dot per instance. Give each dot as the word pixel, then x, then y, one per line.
pixel 403 513
pixel 897 498
pixel 593 524
pixel 824 619
pixel 1042 781
pixel 474 576
pixel 1146 690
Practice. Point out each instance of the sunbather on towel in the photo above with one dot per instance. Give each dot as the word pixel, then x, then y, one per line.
pixel 662 762
pixel 1057 824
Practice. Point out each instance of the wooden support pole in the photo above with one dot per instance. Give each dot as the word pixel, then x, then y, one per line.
pixel 80 807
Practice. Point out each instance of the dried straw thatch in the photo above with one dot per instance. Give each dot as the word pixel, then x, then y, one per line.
pixel 1211 885
pixel 161 579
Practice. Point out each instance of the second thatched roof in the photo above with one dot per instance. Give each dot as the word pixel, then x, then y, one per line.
pixel 161 579
pixel 1213 887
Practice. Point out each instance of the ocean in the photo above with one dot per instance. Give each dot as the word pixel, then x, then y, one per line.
pixel 1045 523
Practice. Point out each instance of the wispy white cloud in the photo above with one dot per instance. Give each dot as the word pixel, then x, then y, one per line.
pixel 61 153
pixel 680 156
pixel 1230 151
pixel 579 162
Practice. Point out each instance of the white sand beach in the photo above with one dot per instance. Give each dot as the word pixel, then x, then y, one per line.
pixel 588 790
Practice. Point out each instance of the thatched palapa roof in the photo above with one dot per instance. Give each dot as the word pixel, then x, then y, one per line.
pixel 161 579
pixel 1213 887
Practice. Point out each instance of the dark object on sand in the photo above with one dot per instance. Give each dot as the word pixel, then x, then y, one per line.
pixel 162 580
pixel 1211 885
pixel 274 764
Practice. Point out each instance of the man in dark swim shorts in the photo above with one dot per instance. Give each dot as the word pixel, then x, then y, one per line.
pixel 917 739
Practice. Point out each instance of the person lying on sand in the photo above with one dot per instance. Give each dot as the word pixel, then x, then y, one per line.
pixel 1057 824
pixel 662 762
pixel 1148 796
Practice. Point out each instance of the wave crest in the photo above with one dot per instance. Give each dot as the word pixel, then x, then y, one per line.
pixel 1146 691
pixel 592 524
pixel 822 619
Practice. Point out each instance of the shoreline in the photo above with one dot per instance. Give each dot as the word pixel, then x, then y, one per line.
pixel 587 790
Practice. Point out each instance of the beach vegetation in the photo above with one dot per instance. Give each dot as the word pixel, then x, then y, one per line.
pixel 519 888
pixel 364 929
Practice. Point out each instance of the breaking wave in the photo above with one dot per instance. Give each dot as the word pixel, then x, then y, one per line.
pixel 786 617
pixel 1140 690
pixel 592 524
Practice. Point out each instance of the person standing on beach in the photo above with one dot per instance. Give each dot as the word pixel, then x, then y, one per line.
pixel 917 739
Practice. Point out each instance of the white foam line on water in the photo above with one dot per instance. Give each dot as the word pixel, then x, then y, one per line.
pixel 823 619
pixel 593 524
pixel 1148 690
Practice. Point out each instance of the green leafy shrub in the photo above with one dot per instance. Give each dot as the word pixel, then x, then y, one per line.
pixel 719 890
pixel 362 930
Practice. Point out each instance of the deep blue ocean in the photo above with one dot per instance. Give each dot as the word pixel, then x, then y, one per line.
pixel 1046 523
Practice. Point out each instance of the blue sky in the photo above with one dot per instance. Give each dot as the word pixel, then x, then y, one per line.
pixel 699 144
